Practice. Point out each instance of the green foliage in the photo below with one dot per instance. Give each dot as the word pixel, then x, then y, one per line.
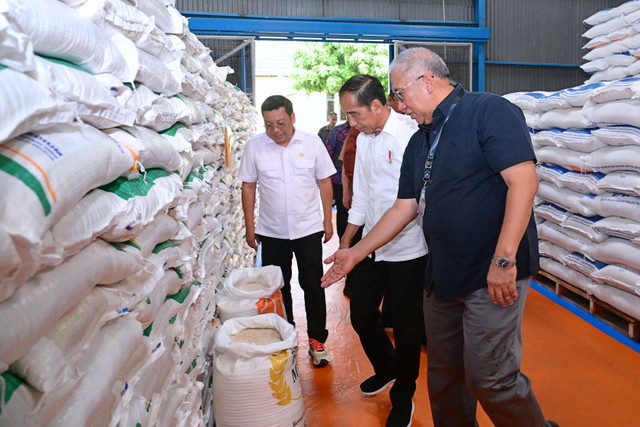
pixel 324 67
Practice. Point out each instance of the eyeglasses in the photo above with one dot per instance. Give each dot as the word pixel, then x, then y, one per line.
pixel 397 93
pixel 280 124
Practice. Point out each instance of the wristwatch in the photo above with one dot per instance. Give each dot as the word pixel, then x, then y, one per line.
pixel 503 263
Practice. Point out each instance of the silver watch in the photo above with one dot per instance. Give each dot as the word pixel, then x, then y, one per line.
pixel 503 263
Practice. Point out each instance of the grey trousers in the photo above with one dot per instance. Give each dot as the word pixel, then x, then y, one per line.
pixel 474 353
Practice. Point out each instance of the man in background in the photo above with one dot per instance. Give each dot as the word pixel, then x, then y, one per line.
pixel 293 170
pixel 323 133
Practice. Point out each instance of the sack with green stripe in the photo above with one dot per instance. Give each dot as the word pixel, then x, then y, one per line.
pixel 43 176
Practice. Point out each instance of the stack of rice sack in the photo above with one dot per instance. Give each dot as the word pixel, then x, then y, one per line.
pixel 587 142
pixel 614 43
pixel 118 212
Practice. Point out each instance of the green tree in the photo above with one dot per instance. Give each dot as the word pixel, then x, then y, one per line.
pixel 324 67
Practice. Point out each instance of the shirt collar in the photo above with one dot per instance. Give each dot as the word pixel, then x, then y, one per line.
pixel 392 124
pixel 443 108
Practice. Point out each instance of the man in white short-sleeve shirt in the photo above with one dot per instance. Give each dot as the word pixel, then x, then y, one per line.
pixel 292 171
pixel 396 270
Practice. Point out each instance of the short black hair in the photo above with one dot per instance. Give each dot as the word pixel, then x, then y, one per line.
pixel 366 88
pixel 276 101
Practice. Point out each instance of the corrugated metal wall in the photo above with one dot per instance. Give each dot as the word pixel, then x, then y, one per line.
pixel 539 31
pixel 414 10
pixel 522 31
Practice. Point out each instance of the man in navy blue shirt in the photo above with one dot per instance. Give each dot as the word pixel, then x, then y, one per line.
pixel 470 171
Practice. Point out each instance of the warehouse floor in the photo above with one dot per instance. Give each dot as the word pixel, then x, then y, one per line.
pixel 581 376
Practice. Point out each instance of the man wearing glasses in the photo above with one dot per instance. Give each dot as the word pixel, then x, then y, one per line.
pixel 470 172
pixel 395 271
pixel 293 170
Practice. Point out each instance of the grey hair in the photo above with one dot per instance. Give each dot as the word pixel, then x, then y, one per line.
pixel 418 60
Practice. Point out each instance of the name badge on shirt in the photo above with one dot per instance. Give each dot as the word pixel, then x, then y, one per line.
pixel 423 202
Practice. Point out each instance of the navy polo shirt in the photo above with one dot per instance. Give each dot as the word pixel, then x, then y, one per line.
pixel 465 199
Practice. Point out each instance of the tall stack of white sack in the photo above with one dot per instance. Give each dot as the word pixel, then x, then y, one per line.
pixel 587 143
pixel 119 212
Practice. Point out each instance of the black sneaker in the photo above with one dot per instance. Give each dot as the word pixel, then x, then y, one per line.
pixel 374 385
pixel 401 416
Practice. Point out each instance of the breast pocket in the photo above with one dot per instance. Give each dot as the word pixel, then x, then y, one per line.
pixel 304 170
pixel 268 169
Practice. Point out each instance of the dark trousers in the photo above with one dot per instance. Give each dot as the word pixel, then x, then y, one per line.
pixel 404 282
pixel 308 251
pixel 342 213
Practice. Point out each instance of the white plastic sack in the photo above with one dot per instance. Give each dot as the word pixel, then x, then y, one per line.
pixel 563 157
pixel 616 204
pixel 565 198
pixel 618 135
pixel 620 112
pixel 152 149
pixel 257 384
pixel 564 118
pixel 582 182
pixel 610 159
pixel 585 226
pixel 156 75
pixel 616 251
pixel 567 274
pixel 582 264
pixel 579 95
pixel 620 299
pixel 548 249
pixel 551 212
pixel 36 305
pixel 579 140
pixel 551 173
pixel 618 227
pixel 26 105
pixel 566 239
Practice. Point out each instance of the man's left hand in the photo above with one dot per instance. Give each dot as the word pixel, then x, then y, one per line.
pixel 502 285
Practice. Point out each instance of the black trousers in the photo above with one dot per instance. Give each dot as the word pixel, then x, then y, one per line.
pixel 342 213
pixel 308 251
pixel 404 282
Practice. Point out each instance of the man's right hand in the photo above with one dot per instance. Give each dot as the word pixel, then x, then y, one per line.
pixel 343 262
pixel 252 239
pixel 346 199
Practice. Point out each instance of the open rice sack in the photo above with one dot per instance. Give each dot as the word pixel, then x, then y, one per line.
pixel 251 291
pixel 255 376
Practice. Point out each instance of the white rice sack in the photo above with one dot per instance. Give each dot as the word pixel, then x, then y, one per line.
pixel 165 18
pixel 605 51
pixel 585 226
pixel 53 292
pixel 551 173
pixel 156 75
pixel 618 135
pixel 23 405
pixel 120 210
pixel 147 309
pixel 565 118
pixel 48 364
pixel 605 27
pixel 623 278
pixel 119 15
pixel 564 157
pixel 550 250
pixel 618 227
pixel 531 117
pixel 141 99
pixel 162 228
pixel 621 89
pixel 566 199
pixel 582 264
pixel 26 105
pixel 616 204
pixel 95 103
pixel 180 136
pixel 579 140
pixel 257 384
pixel 599 64
pixel 621 112
pixel 163 114
pixel 529 101
pixel 601 16
pixel 622 300
pixel 610 159
pixel 56 30
pixel 611 73
pixel 567 239
pixel 582 182
pixel 621 59
pixel 577 96
pixel 151 148
pixel 105 357
pixel 50 171
pixel 567 274
pixel 551 102
pixel 616 251
pixel 551 212
pixel 548 137
pixel 633 69
pixel 625 182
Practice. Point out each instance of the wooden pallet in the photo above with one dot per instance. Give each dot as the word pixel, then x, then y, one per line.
pixel 604 312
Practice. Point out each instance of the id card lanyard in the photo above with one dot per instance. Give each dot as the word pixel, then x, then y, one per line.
pixel 428 164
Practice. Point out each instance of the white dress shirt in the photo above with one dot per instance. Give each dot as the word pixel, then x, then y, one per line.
pixel 289 206
pixel 375 186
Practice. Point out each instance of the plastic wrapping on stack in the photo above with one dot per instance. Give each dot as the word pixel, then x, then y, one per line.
pixel 587 143
pixel 119 212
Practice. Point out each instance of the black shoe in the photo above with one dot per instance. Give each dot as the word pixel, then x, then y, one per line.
pixel 552 424
pixel 374 385
pixel 401 416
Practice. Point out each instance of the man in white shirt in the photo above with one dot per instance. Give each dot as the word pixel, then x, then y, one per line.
pixel 397 268
pixel 293 169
